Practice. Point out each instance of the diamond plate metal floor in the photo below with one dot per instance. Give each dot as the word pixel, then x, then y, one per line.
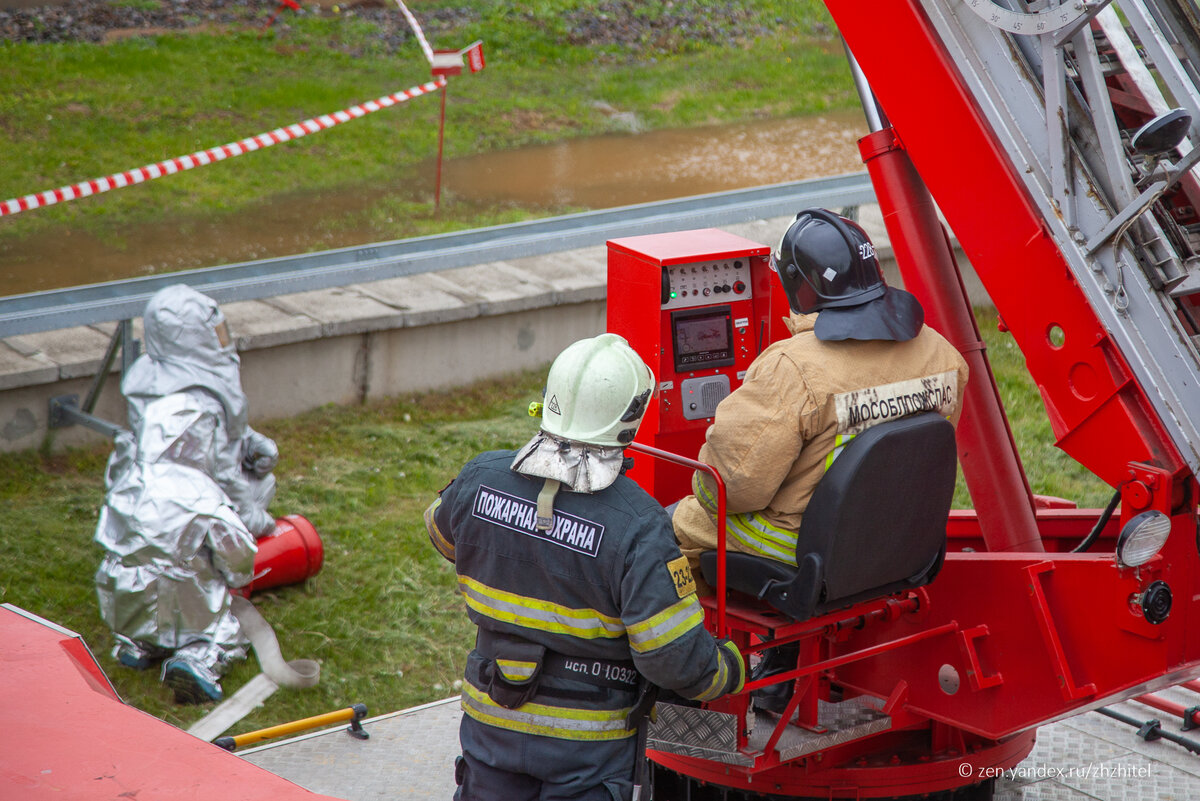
pixel 411 756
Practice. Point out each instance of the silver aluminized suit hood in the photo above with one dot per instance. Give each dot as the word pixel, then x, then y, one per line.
pixel 184 351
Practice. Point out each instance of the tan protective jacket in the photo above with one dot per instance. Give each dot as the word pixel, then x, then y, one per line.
pixel 773 438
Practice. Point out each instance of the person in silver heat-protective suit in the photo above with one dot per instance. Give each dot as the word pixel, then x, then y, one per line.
pixel 187 494
pixel 581 597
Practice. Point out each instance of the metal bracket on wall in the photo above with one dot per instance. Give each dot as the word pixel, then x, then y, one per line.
pixel 66 410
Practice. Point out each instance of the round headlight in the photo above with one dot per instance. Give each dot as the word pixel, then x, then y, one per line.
pixel 1142 537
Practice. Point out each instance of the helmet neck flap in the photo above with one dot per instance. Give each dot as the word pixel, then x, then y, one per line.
pixel 597 392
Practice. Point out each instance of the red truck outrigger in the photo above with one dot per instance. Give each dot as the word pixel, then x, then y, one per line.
pixel 1057 140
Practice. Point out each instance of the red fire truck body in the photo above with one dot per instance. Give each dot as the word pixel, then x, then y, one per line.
pixel 1057 144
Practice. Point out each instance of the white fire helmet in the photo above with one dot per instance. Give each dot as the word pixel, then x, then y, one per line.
pixel 597 392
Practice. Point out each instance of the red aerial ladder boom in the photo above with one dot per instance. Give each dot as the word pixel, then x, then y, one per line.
pixel 1028 256
pixel 1057 141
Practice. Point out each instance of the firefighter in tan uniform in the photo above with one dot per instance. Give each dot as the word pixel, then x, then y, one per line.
pixel 859 355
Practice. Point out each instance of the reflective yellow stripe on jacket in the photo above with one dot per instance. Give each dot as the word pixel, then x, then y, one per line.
pixel 839 445
pixel 667 626
pixel 443 545
pixel 515 671
pixel 717 687
pixel 534 613
pixel 548 721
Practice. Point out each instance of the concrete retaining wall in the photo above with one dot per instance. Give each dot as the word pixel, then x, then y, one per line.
pixel 364 341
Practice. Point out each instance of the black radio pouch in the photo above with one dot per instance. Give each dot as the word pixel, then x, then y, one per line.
pixel 516 671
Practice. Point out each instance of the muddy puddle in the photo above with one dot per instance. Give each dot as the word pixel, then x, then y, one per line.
pixel 608 171
pixel 64 257
pixel 599 172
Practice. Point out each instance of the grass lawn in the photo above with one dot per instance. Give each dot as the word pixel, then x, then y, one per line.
pixel 382 616
pixel 555 69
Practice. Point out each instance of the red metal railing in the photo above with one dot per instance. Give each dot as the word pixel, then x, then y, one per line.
pixel 722 627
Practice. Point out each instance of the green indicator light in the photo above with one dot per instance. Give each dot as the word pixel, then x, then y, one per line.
pixel 674 294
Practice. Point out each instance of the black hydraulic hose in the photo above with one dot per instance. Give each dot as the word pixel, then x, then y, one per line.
pixel 1094 534
pixel 1150 730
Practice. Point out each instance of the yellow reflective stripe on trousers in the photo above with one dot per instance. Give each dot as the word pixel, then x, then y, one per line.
pixel 667 626
pixel 736 653
pixel 444 546
pixel 760 537
pixel 752 529
pixel 533 613
pixel 548 721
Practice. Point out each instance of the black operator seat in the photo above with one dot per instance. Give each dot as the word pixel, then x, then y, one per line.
pixel 876 524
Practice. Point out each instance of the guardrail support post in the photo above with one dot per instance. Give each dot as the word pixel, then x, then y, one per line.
pixel 66 410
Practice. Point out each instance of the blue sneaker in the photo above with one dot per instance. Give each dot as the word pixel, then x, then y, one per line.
pixel 191 683
pixel 134 657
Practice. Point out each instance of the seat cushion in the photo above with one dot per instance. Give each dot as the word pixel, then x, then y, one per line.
pixel 745 573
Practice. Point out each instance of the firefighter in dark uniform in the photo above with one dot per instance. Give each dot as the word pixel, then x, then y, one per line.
pixel 582 599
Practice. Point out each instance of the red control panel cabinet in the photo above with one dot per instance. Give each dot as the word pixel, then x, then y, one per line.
pixel 698 307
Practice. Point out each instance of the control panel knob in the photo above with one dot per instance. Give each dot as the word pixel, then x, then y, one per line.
pixel 707 292
pixel 692 406
pixel 739 287
pixel 725 287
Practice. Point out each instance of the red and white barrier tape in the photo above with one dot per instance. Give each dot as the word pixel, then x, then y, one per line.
pixel 203 157
pixel 412 22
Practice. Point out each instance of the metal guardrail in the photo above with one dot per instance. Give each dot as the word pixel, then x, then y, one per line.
pixel 121 300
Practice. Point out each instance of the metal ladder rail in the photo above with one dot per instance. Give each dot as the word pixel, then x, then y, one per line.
pixel 1088 101
pixel 1170 56
pixel 1008 91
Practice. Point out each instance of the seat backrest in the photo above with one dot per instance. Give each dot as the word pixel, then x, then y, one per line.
pixel 877 519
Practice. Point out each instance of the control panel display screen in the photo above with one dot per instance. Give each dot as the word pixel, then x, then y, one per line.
pixel 702 338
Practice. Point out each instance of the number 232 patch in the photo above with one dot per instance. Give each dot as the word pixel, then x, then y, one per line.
pixel 681 574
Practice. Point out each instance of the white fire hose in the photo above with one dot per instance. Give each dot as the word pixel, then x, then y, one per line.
pixel 276 673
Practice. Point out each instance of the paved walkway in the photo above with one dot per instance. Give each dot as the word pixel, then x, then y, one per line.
pixel 411 756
